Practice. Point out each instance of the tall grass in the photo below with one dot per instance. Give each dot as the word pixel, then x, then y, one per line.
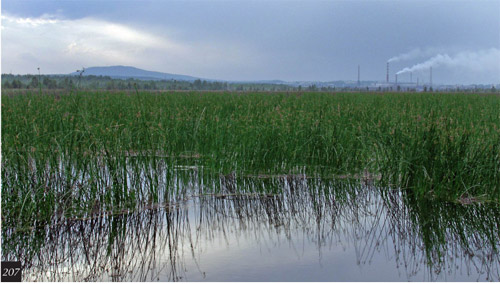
pixel 93 151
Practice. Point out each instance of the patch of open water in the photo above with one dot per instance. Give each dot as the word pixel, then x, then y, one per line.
pixel 302 230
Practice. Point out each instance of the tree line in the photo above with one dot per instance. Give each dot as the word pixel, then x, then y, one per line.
pixel 91 82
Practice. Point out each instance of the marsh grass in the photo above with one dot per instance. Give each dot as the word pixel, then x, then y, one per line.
pixel 74 155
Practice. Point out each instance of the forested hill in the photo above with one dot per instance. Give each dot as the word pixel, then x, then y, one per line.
pixel 126 72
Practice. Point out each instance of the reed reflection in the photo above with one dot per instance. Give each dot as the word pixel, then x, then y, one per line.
pixel 162 242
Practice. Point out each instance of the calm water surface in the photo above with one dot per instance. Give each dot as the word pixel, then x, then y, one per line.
pixel 288 228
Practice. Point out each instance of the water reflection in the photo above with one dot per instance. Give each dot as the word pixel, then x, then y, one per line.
pixel 271 228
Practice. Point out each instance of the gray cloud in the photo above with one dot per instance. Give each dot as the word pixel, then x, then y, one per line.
pixel 61 45
pixel 247 40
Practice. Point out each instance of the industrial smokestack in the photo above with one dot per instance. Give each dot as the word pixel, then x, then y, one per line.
pixel 396 80
pixel 411 75
pixel 358 76
pixel 387 76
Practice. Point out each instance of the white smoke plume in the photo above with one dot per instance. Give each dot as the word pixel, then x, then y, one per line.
pixel 479 61
pixel 416 53
pixel 406 56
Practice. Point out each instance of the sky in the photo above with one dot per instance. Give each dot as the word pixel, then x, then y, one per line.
pixel 258 40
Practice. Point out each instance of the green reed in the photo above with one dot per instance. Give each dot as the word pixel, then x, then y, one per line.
pixel 92 151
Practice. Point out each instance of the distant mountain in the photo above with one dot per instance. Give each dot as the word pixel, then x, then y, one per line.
pixel 125 72
pixel 271 82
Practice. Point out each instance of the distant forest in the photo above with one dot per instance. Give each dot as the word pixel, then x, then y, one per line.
pixel 91 82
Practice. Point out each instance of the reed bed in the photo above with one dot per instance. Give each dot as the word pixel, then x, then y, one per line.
pixel 78 154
